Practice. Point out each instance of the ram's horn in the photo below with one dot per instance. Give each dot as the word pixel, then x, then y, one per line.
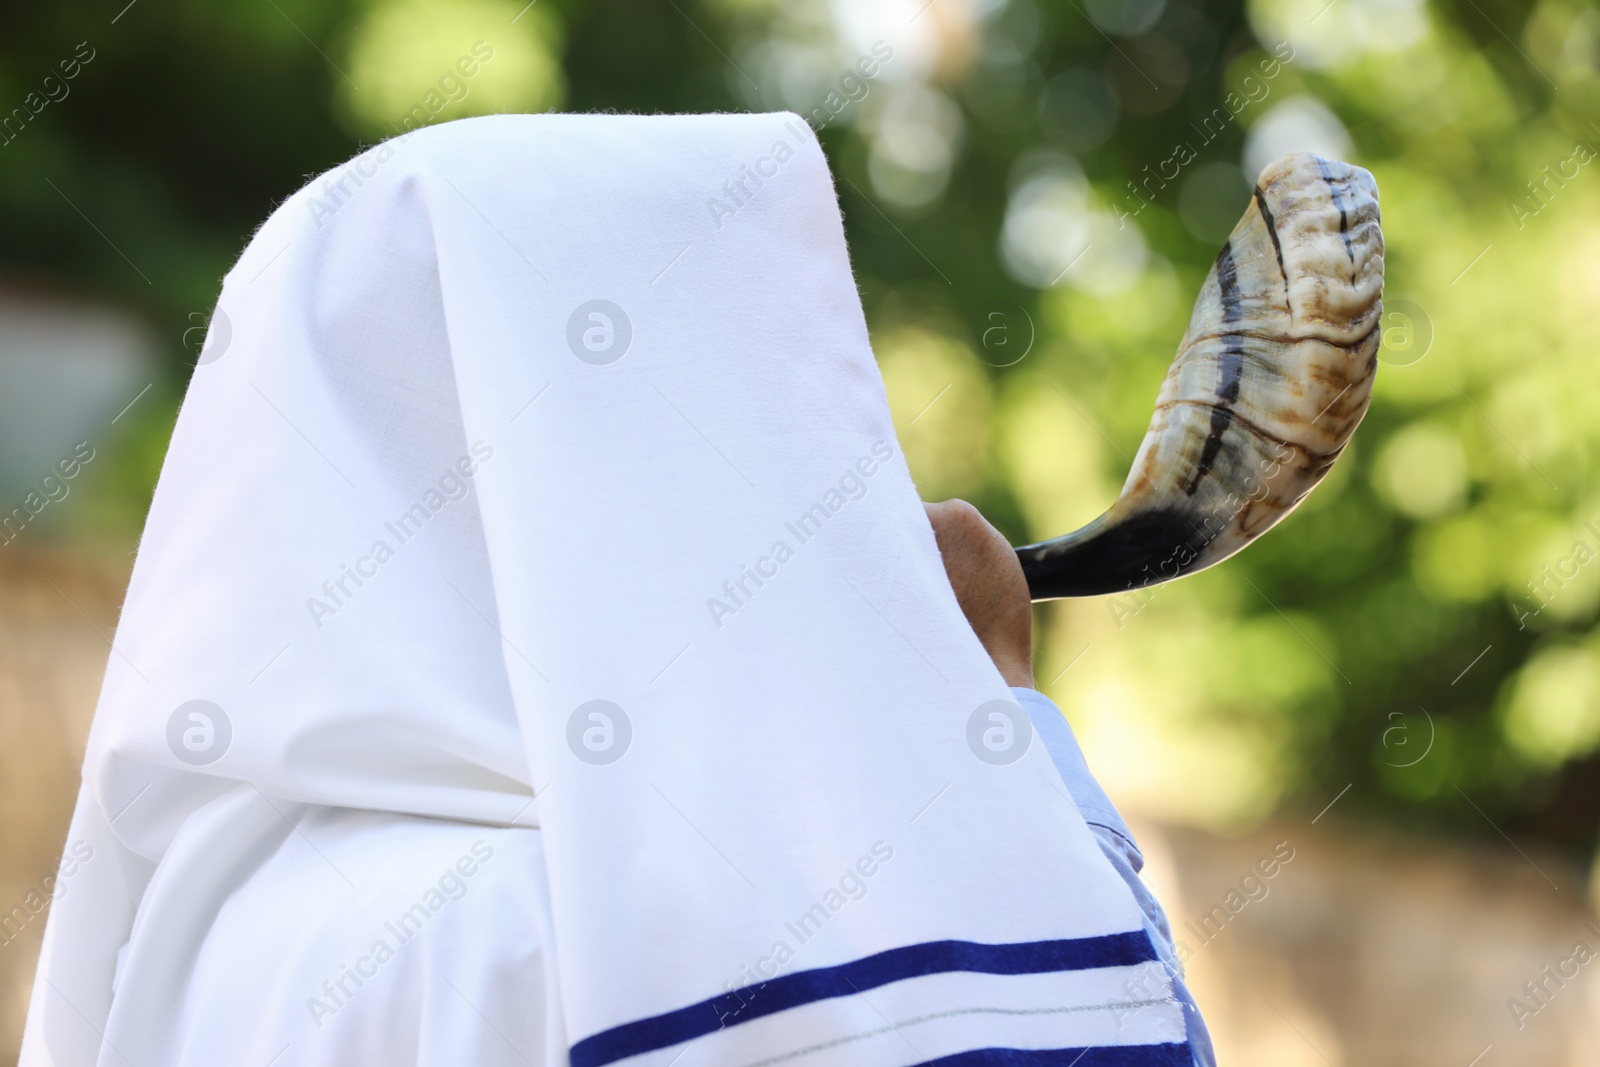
pixel 1270 381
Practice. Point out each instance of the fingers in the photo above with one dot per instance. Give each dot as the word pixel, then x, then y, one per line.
pixel 987 580
pixel 960 527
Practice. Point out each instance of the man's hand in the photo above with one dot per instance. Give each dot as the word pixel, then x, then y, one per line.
pixel 989 586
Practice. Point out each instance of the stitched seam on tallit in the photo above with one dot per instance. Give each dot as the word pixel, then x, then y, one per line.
pixel 892 1027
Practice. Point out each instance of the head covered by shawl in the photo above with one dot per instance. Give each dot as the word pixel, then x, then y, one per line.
pixel 538 471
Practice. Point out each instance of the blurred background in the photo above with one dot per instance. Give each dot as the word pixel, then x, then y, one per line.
pixel 1399 688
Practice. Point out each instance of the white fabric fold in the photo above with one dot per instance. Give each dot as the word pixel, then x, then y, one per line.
pixel 547 454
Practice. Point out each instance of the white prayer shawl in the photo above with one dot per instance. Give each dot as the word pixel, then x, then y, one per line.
pixel 538 473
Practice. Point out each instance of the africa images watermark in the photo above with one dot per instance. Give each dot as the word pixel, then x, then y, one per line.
pixel 53 89
pixel 343 182
pixel 1252 888
pixel 1540 991
pixel 999 732
pixel 1553 578
pixel 851 89
pixel 51 887
pixel 1211 127
pixel 199 732
pixel 599 732
pixel 996 338
pixel 451 886
pixel 1543 191
pixel 745 988
pixel 1128 604
pixel 851 486
pixel 53 488
pixel 453 486
pixel 1143 990
pixel 740 189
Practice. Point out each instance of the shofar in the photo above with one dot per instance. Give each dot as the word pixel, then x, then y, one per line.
pixel 1269 383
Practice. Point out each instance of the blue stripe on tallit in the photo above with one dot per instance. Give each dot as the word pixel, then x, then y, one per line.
pixel 847 979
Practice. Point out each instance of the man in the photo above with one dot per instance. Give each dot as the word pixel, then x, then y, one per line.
pixel 538 653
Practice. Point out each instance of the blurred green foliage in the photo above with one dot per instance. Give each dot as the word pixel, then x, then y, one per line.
pixel 1421 630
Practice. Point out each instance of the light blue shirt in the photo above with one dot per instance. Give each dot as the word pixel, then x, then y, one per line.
pixel 1116 841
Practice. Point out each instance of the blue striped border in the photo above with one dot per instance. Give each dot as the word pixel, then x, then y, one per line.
pixel 1178 1055
pixel 870 972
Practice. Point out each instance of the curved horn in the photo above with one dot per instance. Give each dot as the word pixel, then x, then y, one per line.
pixel 1269 383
